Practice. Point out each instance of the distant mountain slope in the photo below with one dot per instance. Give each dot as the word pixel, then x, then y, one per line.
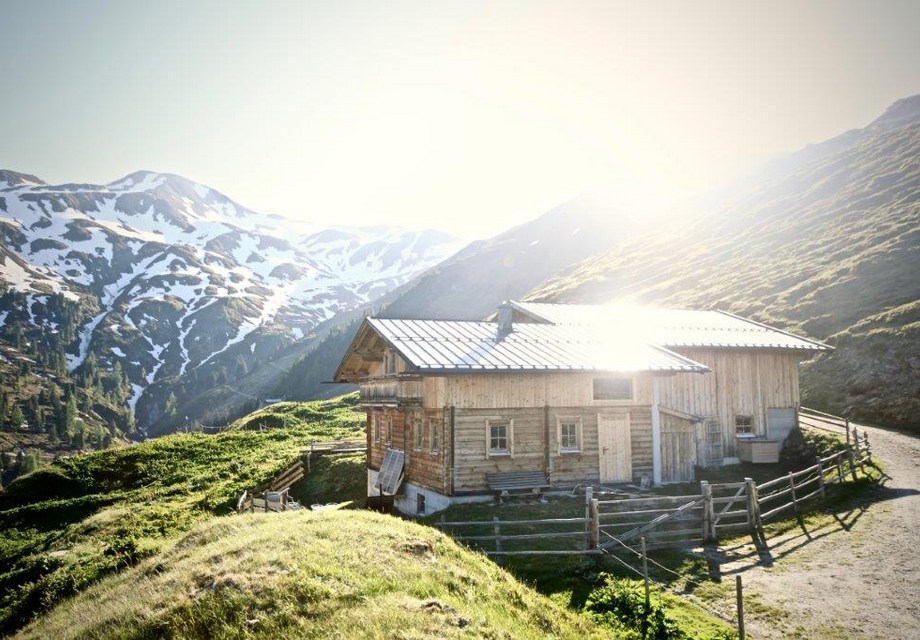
pixel 827 244
pixel 472 283
pixel 179 284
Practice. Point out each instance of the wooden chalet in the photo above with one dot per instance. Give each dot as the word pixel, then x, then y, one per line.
pixel 559 395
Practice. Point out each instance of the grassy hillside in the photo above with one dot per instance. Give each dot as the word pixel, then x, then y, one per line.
pixel 65 526
pixel 830 249
pixel 334 574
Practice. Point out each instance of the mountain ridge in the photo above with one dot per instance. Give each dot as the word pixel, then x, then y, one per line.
pixel 167 275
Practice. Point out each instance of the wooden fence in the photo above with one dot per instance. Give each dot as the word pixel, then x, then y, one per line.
pixel 273 495
pixel 719 510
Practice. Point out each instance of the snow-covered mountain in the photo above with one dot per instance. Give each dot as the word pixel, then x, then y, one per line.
pixel 168 276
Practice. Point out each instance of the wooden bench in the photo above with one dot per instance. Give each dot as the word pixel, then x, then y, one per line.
pixel 513 481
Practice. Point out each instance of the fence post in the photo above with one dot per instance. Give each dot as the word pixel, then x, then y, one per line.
pixel 589 495
pixel 595 524
pixel 252 502
pixel 648 600
pixel 441 524
pixel 499 558
pixel 846 425
pixel 795 504
pixel 739 603
pixel 852 461
pixel 706 490
pixel 820 475
pixel 839 468
pixel 868 448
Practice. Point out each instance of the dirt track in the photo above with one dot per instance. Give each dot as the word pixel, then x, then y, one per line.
pixel 854 576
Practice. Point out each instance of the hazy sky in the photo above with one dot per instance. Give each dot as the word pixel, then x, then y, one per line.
pixel 467 116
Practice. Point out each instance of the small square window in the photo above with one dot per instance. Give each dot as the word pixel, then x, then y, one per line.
pixel 744 425
pixel 613 388
pixel 569 435
pixel 498 437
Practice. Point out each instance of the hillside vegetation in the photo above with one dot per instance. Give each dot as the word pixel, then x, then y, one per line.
pixel 829 246
pixel 65 526
pixel 340 574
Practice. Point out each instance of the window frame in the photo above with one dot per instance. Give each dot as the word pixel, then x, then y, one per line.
pixel 508 451
pixel 388 426
pixel 418 424
pixel 578 423
pixel 748 428
pixel 434 436
pixel 632 390
pixel 375 426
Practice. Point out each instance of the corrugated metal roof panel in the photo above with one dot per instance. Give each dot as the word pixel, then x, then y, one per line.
pixel 670 327
pixel 477 346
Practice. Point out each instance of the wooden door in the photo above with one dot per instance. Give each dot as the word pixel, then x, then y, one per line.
pixel 614 448
pixel 678 450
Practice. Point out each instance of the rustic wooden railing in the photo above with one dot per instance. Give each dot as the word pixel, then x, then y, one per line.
pixel 395 389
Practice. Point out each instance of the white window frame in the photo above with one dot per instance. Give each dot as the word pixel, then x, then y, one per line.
pixel 630 400
pixel 579 430
pixel 509 438
pixel 434 435
pixel 375 426
pixel 748 428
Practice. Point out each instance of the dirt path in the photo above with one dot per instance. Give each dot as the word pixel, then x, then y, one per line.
pixel 856 575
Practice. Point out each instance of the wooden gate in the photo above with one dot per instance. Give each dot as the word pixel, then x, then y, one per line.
pixel 678 449
pixel 615 447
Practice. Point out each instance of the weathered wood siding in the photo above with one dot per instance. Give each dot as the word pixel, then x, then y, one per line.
pixel 536 446
pixel 499 390
pixel 423 465
pixel 741 383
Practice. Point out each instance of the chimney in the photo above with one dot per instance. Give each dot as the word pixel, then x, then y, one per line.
pixel 505 312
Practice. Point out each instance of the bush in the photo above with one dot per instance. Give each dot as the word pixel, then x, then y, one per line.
pixel 619 603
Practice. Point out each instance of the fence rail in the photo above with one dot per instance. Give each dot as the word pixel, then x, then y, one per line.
pixel 720 509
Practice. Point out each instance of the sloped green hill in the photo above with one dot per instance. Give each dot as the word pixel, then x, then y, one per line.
pixel 65 526
pixel 340 574
pixel 830 248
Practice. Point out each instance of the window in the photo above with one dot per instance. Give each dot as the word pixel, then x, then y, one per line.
pixel 419 425
pixel 389 427
pixel 613 388
pixel 499 437
pixel 375 426
pixel 744 425
pixel 435 436
pixel 568 433
pixel 390 362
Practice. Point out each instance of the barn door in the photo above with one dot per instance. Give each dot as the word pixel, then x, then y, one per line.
pixel 614 448
pixel 678 450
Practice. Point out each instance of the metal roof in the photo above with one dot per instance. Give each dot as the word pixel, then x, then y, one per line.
pixel 463 346
pixel 673 328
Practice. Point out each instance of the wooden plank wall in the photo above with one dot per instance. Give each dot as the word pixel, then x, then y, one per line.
pixel 495 391
pixel 530 444
pixel 423 466
pixel 741 383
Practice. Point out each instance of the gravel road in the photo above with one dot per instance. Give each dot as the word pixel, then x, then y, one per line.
pixel 855 576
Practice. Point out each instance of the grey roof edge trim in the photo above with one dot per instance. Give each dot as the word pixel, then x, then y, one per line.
pixel 698 367
pixel 499 370
pixel 820 345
